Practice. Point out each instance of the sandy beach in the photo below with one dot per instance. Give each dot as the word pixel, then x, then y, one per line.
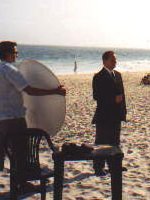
pixel 80 182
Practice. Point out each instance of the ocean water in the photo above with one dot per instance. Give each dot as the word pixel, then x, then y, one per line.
pixel 61 59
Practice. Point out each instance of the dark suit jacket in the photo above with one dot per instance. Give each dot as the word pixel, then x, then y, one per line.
pixel 105 88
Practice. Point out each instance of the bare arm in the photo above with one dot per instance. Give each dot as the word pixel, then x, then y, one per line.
pixel 43 92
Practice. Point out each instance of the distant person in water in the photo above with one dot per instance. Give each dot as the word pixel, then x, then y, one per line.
pixel 75 66
pixel 108 91
pixel 12 112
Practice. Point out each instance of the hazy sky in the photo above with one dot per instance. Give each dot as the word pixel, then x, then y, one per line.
pixel 118 23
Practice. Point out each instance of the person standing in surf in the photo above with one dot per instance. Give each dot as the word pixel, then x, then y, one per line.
pixel 12 112
pixel 75 66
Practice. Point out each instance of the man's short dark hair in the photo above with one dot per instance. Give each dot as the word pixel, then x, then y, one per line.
pixel 6 47
pixel 106 55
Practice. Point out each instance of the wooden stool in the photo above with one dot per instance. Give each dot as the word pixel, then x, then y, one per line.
pixel 113 153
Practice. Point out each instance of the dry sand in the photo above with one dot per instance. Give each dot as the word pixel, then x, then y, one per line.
pixel 80 183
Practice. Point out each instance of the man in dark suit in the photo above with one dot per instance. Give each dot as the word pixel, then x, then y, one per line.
pixel 108 91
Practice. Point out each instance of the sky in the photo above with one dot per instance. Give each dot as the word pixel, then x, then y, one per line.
pixel 100 23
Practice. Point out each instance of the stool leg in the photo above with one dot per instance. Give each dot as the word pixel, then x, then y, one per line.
pixel 116 177
pixel 58 178
pixel 13 186
pixel 43 189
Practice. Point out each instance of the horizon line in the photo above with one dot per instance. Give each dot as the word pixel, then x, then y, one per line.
pixel 81 46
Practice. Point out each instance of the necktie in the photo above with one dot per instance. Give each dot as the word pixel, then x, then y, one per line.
pixel 113 75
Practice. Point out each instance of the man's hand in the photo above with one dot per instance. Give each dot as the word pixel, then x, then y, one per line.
pixel 119 99
pixel 60 90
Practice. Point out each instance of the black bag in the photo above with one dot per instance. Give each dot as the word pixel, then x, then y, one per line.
pixel 74 149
